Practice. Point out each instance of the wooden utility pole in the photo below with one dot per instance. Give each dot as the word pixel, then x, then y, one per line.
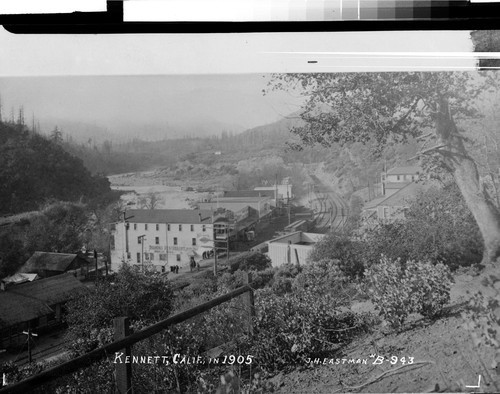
pixel 215 261
pixel 141 237
pixel 96 265
pixel 288 205
pixel 123 370
pixel 30 335
pixel 249 301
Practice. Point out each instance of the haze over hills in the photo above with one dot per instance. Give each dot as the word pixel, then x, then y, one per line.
pixel 150 108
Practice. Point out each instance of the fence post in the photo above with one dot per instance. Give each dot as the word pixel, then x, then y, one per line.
pixel 123 370
pixel 249 301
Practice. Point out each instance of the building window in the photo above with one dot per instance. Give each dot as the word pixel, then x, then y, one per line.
pixel 157 227
pixel 163 257
pixel 135 226
pixel 157 240
pixel 178 257
pixel 192 227
pixel 112 242
pixel 139 240
pixel 386 212
pixel 168 227
pixel 180 227
pixel 397 177
pixel 204 228
pixel 145 227
pixel 175 240
pixel 138 257
pixel 146 256
pixel 194 241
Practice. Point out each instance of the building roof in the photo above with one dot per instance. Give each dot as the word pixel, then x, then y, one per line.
pixel 53 290
pixel 408 170
pixel 310 238
pixel 249 193
pixel 242 199
pixel 188 216
pixel 395 185
pixel 15 309
pixel 399 198
pixel 27 301
pixel 20 278
pixel 48 261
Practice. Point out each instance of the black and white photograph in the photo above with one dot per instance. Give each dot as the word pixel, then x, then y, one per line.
pixel 271 212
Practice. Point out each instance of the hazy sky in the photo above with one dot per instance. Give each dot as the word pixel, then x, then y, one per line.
pixel 176 78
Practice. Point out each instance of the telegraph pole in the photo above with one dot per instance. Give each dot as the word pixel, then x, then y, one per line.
pixel 141 237
pixel 96 267
pixel 30 335
pixel 288 204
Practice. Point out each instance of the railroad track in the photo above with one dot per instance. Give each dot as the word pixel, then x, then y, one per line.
pixel 331 210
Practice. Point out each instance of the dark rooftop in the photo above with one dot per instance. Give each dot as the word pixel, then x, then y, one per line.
pixel 48 261
pixel 188 216
pixel 27 301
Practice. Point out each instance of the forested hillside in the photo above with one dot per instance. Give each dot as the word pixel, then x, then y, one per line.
pixel 35 169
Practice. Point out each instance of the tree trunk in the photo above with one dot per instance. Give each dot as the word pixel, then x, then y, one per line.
pixel 466 175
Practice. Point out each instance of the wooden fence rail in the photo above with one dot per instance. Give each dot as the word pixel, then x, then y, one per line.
pixel 118 345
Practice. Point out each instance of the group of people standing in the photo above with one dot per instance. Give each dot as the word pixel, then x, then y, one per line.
pixel 174 269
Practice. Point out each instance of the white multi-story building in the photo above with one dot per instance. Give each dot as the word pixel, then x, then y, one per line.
pixel 161 238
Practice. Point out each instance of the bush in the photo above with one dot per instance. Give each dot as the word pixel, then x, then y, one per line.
pixel 438 227
pixel 139 296
pixel 341 247
pixel 299 325
pixel 249 261
pixel 430 287
pixel 284 277
pixel 259 279
pixel 322 276
pixel 398 289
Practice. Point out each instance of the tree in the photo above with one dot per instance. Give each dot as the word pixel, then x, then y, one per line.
pixel 59 227
pixel 391 107
pixel 150 201
pixel 140 296
pixel 56 135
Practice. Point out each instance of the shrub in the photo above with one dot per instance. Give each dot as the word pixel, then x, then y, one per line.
pixel 249 261
pixel 341 247
pixel 259 279
pixel 322 276
pixel 299 325
pixel 284 277
pixel 430 287
pixel 399 289
pixel 438 227
pixel 139 296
